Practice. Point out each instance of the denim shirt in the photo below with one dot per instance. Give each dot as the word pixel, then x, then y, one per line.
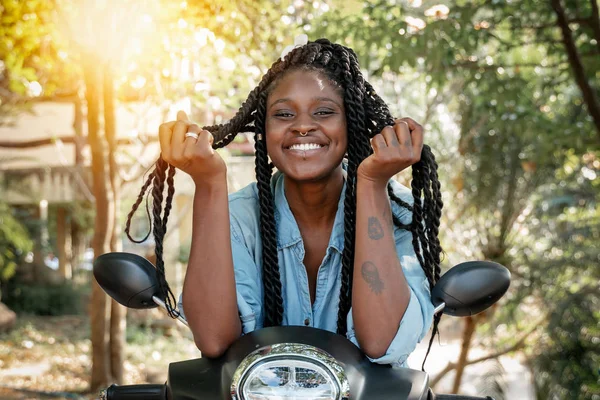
pixel 297 308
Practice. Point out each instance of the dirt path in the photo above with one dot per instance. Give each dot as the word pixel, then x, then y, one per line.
pixel 23 394
pixel 51 357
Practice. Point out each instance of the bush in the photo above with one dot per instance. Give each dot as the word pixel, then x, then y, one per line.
pixel 57 299
pixel 15 242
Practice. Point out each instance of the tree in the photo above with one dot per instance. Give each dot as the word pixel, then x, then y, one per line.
pixel 31 64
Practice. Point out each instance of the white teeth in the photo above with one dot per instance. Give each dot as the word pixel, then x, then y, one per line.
pixel 305 146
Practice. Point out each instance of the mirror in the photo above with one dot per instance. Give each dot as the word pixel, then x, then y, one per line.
pixel 128 278
pixel 471 287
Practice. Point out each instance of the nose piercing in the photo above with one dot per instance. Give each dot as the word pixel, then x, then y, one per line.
pixel 303 133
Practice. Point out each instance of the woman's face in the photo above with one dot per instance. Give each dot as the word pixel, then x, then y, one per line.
pixel 306 102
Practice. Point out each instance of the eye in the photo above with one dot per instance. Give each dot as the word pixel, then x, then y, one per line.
pixel 283 114
pixel 324 112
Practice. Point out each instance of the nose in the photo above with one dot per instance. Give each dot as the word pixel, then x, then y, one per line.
pixel 304 123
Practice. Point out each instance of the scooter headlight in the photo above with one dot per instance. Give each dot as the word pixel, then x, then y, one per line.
pixel 289 371
pixel 283 379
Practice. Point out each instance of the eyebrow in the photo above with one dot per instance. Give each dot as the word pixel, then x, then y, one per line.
pixel 286 99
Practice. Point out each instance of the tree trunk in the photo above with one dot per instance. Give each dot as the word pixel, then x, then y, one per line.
pixel 589 94
pixel 39 270
pixel 99 307
pixel 118 312
pixel 63 242
pixel 467 336
pixel 79 139
pixel 77 244
pixel 117 341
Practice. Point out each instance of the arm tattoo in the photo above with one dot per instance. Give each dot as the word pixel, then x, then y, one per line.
pixel 370 275
pixel 375 229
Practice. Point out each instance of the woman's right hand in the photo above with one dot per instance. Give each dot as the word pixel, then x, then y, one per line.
pixel 196 157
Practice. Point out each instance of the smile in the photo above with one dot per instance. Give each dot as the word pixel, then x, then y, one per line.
pixel 305 146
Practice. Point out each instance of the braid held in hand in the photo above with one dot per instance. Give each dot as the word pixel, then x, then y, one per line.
pixel 159 230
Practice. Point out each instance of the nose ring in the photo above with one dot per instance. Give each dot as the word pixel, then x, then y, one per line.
pixel 303 133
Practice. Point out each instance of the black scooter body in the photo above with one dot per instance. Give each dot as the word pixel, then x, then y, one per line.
pixel 205 378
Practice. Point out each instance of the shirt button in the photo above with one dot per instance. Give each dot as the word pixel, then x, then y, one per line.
pixel 307 322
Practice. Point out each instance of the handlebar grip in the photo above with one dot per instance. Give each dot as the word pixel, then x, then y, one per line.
pixel 135 392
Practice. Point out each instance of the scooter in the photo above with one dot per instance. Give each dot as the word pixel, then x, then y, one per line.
pixel 292 362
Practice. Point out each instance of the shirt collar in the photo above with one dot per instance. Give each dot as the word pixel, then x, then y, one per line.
pixel 288 233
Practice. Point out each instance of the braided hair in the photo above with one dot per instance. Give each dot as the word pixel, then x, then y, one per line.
pixel 366 115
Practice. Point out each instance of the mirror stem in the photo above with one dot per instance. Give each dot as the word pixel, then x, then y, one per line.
pixel 162 304
pixel 439 308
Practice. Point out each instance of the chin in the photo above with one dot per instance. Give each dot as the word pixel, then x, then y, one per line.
pixel 306 174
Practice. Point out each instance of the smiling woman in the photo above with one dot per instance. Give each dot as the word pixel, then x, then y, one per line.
pixel 306 125
pixel 283 250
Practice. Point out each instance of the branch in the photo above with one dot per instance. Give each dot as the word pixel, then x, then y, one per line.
pixel 552 24
pixel 589 95
pixel 464 140
pixel 429 109
pixel 449 367
pixel 527 42
pixel 136 172
pixel 138 169
pixel 11 144
pixel 18 144
pixel 475 65
pixel 515 346
pixel 12 97
pixel 508 211
pixel 83 185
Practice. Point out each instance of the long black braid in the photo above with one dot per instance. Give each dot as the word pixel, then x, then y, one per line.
pixel 273 302
pixel 366 115
pixel 358 150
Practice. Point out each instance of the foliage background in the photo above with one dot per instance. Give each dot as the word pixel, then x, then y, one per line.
pixel 509 104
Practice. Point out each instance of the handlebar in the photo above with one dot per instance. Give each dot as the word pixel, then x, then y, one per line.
pixel 135 392
pixel 432 396
pixel 459 397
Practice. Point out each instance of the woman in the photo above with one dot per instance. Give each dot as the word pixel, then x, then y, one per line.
pixel 321 243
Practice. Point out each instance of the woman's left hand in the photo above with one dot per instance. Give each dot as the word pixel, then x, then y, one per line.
pixel 394 149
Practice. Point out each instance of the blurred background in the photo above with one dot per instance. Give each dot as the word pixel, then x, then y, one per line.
pixel 508 92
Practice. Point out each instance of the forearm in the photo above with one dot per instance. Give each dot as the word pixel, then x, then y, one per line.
pixel 209 293
pixel 380 293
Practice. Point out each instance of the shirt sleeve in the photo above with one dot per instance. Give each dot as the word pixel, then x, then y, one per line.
pixel 248 285
pixel 417 318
